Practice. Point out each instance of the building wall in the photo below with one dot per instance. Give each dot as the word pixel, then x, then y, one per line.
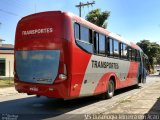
pixel 9 64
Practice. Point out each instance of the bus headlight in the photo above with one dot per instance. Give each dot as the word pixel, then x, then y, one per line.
pixel 62 76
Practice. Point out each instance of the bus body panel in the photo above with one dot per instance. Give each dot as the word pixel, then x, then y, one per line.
pixel 78 71
pixel 101 69
pixel 44 32
pixel 95 80
pixel 87 74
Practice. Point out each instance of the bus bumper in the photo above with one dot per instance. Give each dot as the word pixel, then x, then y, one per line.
pixel 52 91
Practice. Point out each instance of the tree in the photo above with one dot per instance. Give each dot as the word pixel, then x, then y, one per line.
pixel 158 60
pixel 98 18
pixel 152 50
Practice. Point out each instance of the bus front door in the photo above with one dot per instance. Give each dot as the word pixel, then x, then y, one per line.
pixel 143 69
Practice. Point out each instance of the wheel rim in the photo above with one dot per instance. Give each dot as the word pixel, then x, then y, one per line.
pixel 111 87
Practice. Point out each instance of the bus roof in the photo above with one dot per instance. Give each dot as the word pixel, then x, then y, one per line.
pixel 90 25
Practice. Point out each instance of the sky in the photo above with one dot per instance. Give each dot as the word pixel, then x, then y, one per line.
pixel 134 20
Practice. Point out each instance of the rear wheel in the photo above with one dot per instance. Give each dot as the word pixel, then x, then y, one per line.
pixel 110 91
pixel 111 88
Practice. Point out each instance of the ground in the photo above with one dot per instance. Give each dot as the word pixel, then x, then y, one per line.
pixel 132 100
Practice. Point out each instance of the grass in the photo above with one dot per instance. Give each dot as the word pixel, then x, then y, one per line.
pixel 6 83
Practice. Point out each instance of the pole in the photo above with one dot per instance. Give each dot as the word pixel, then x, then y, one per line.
pixel 83 5
pixel 80 9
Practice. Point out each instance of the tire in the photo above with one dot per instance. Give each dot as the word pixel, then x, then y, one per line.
pixel 136 85
pixel 110 91
pixel 139 79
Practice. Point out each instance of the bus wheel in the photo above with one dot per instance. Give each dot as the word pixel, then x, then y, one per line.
pixel 110 91
pixel 111 88
pixel 139 79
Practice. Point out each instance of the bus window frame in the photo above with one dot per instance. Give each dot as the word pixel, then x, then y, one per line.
pixel 107 46
pixel 109 52
pixel 123 57
pixel 118 56
pixel 129 55
pixel 82 41
pixel 138 57
pixel 101 54
pixel 96 46
pixel 109 40
pixel 133 57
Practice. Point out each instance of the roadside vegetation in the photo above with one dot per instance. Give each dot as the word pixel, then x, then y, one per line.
pixel 98 17
pixel 152 50
pixel 6 83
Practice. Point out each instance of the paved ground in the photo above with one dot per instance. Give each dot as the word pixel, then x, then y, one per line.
pixel 7 91
pixel 126 101
pixel 142 102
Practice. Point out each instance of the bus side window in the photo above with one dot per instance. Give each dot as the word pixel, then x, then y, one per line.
pixel 116 48
pixel 129 53
pixel 96 42
pixel 123 51
pixel 110 47
pixel 133 54
pixel 107 46
pixel 102 44
pixel 83 36
pixel 99 43
pixel 77 31
pixel 138 56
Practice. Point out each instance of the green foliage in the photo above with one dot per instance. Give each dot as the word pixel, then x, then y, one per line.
pixel 158 60
pixel 98 18
pixel 6 83
pixel 152 50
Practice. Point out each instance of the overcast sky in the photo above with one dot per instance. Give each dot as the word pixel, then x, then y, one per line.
pixel 132 19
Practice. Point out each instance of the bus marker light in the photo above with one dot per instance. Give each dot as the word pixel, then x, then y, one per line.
pixel 76 85
pixel 62 76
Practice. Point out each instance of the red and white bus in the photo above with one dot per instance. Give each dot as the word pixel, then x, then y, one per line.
pixel 60 55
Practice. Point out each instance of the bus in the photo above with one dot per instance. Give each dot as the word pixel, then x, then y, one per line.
pixel 60 55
